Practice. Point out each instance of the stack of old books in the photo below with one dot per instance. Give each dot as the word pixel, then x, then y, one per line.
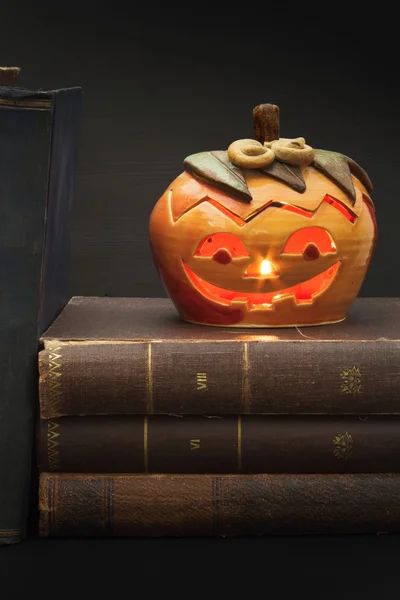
pixel 151 426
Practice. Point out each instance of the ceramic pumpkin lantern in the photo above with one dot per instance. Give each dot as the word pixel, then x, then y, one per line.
pixel 270 233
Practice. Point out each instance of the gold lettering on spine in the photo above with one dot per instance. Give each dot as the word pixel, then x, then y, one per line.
pixel 195 444
pixel 239 442
pixel 146 444
pixel 245 379
pixel 149 380
pixel 53 446
pixel 201 379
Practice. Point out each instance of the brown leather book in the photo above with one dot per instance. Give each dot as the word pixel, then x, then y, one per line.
pixel 135 356
pixel 228 444
pixel 217 505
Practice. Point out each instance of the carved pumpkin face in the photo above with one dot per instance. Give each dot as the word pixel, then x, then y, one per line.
pixel 286 259
pixel 270 233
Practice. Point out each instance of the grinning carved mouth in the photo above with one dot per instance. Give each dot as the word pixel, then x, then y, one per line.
pixel 303 293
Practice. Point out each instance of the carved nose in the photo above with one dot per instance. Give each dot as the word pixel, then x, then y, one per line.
pixel 262 269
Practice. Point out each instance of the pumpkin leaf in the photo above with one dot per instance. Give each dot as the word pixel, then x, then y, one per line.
pixel 215 168
pixel 288 174
pixel 360 174
pixel 336 166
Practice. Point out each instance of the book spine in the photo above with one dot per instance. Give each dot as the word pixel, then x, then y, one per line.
pixel 36 168
pixel 66 113
pixel 230 444
pixel 236 377
pixel 217 505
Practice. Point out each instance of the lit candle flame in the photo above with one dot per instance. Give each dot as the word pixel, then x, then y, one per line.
pixel 266 267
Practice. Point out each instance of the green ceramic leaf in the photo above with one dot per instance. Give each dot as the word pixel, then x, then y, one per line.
pixel 360 174
pixel 336 167
pixel 288 174
pixel 216 169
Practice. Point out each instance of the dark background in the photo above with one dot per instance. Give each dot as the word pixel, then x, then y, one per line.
pixel 162 81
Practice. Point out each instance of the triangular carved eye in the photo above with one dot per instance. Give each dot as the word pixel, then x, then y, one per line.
pixel 311 242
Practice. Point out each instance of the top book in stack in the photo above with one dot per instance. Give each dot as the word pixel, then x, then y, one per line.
pixel 136 356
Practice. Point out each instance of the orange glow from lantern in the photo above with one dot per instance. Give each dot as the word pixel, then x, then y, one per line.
pixel 261 269
pixel 266 267
pixel 301 293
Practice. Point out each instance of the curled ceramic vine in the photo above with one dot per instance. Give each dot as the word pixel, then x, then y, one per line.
pixel 293 152
pixel 250 154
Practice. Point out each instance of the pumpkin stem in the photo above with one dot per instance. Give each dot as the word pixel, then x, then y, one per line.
pixel 8 76
pixel 266 122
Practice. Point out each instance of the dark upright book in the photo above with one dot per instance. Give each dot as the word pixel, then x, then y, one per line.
pixel 39 140
pixel 135 356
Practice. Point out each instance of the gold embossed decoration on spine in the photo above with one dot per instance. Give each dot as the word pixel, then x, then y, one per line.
pixel 343 446
pixel 54 376
pixel 53 445
pixel 149 379
pixel 351 381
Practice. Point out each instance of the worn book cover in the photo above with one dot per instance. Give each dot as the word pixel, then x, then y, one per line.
pixel 39 145
pixel 220 444
pixel 136 356
pixel 155 505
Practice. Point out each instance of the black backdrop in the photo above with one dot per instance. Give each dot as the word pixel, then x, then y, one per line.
pixel 161 82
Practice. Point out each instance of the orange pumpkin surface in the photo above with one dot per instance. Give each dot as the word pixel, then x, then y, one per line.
pixel 285 258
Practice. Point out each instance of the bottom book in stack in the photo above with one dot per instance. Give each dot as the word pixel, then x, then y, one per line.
pixel 218 476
